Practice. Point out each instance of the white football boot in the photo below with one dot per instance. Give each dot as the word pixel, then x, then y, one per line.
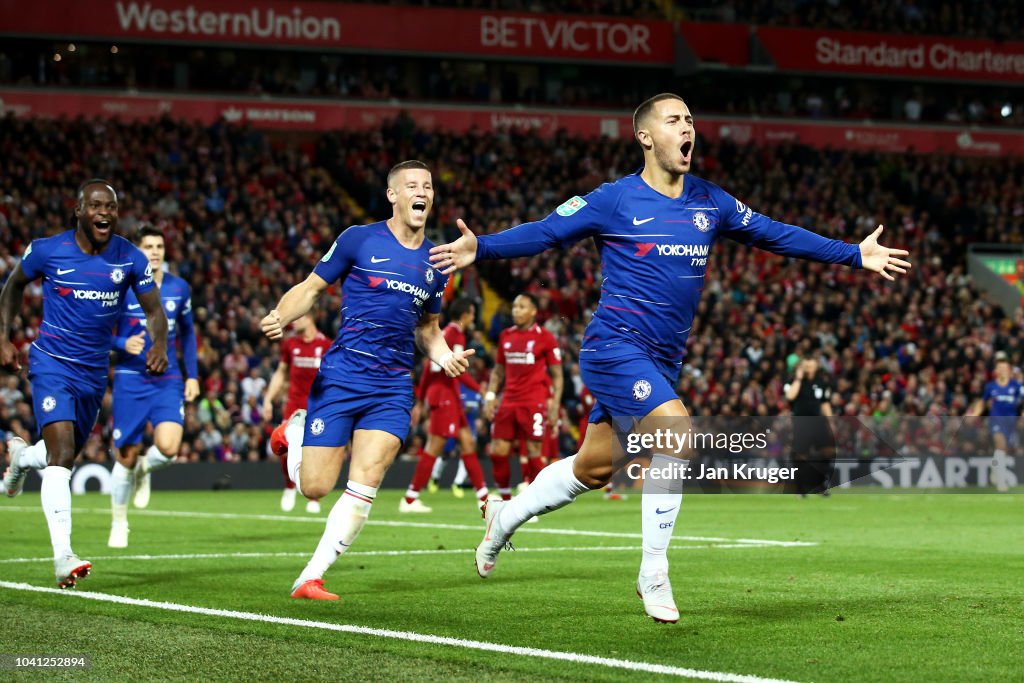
pixel 656 592
pixel 14 475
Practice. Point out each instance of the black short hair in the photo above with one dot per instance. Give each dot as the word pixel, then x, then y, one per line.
pixel 647 105
pixel 532 298
pixel 460 307
pixel 80 195
pixel 404 165
pixel 148 230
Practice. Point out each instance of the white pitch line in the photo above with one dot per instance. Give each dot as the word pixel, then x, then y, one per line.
pixel 412 636
pixel 375 553
pixel 424 525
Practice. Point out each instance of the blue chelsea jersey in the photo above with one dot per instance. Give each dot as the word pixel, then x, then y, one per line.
pixel 386 288
pixel 83 295
pixel 1004 399
pixel 176 298
pixel 654 254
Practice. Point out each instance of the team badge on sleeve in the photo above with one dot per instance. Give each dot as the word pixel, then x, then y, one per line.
pixel 571 206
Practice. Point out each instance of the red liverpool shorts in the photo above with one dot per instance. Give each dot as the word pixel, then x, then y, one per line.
pixel 520 421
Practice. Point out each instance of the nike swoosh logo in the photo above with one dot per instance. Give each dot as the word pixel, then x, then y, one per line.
pixel 65 271
pixel 134 306
pixel 661 512
pixel 646 220
pixel 374 259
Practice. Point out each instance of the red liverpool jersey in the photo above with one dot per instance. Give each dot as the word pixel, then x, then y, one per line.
pixel 303 361
pixel 435 376
pixel 527 355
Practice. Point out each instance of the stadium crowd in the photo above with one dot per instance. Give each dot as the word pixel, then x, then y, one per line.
pixel 247 214
pixel 961 18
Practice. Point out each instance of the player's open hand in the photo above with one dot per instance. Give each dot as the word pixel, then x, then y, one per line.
pixel 156 359
pixel 880 259
pixel 191 389
pixel 136 343
pixel 9 356
pixel 272 327
pixel 458 254
pixel 456 362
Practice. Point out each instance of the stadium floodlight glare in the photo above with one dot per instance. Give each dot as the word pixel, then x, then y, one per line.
pixel 1006 111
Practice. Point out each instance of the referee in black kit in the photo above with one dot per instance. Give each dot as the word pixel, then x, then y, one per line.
pixel 813 444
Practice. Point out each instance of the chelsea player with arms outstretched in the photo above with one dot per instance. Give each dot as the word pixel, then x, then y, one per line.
pixel 86 273
pixel 654 230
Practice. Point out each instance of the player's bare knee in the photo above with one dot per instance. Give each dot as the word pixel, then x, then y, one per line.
pixel 316 489
pixel 167 438
pixel 169 449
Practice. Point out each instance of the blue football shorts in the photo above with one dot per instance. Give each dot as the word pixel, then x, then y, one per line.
pixel 63 391
pixel 140 399
pixel 337 407
pixel 628 385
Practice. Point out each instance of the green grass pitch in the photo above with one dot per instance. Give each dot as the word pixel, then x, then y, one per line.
pixel 881 587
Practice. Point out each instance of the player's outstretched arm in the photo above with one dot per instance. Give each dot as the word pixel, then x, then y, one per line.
pixel 10 300
pixel 430 341
pixel 571 222
pixel 295 303
pixel 156 326
pixel 458 254
pixel 881 259
pixel 746 226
